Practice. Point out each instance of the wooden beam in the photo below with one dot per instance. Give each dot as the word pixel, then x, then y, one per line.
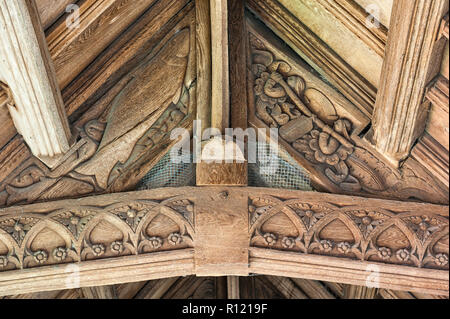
pixel 223 231
pixel 129 290
pixel 433 157
pixel 286 287
pixel 238 70
pixel 314 289
pixel 336 288
pixel 438 120
pixel 288 264
pixel 360 292
pixel 220 72
pixel 156 289
pixel 35 101
pixel 354 17
pixel 412 60
pixel 99 23
pixel 101 292
pixel 184 288
pixel 233 287
pixel 391 294
pixel 51 10
pixel 98 273
pixel 204 66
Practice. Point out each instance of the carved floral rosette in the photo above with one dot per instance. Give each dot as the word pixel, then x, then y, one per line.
pixel 87 233
pixel 369 234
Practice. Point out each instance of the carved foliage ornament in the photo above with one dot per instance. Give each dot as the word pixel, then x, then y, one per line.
pixel 85 233
pixel 413 239
pixel 309 122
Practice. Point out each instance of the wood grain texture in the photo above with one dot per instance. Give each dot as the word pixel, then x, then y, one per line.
pixel 286 287
pixel 98 273
pixel 270 262
pixel 327 62
pixel 445 62
pixel 233 292
pixel 412 60
pixel 433 157
pixel 314 289
pixel 8 130
pixel 220 107
pixel 35 101
pixel 211 231
pixel 323 23
pixel 101 292
pixel 156 289
pixel 438 120
pixel 204 63
pixel 222 235
pixel 238 72
pixel 355 19
pixel 51 10
pixel 359 292
pixel 100 23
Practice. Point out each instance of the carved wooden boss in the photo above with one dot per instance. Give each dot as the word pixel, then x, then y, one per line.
pixel 172 77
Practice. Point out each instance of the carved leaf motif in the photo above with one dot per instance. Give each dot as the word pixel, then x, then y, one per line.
pixel 185 208
pixel 18 227
pixel 132 214
pixel 424 226
pixel 309 215
pixel 340 158
pixel 367 221
pixel 75 222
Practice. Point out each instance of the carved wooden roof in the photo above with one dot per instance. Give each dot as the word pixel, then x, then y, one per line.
pixel 360 102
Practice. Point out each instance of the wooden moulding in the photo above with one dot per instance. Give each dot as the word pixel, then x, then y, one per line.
pixel 204 66
pixel 354 18
pixel 220 107
pixel 433 157
pixel 227 22
pixel 443 31
pixel 438 121
pixel 100 272
pixel 51 10
pixel 286 264
pixel 223 231
pixel 412 60
pixel 99 23
pixel 35 101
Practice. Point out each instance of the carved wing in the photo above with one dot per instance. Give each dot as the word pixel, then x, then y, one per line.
pixel 160 81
